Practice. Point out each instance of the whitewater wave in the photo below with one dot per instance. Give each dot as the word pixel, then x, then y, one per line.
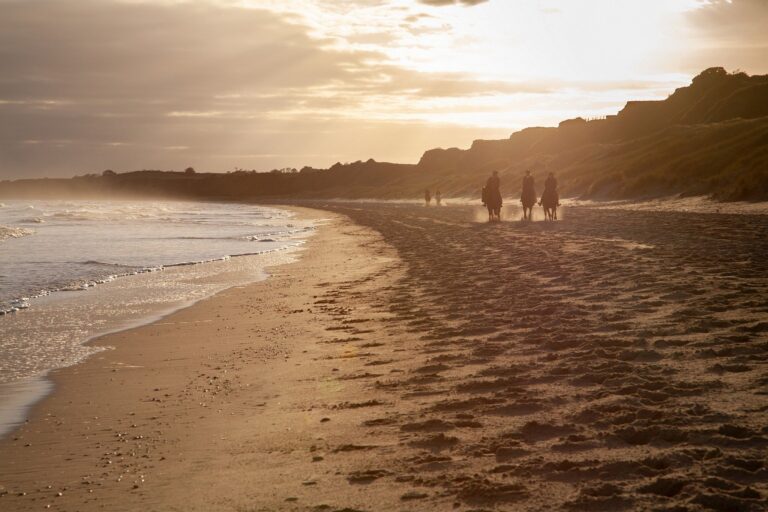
pixel 269 236
pixel 102 263
pixel 9 232
pixel 31 220
pixel 17 304
pixel 78 215
pixel 124 215
pixel 113 214
pixel 116 239
pixel 278 236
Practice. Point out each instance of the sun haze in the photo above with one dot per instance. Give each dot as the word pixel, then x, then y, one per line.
pixel 88 85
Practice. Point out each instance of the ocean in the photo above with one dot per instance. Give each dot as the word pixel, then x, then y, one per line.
pixel 74 270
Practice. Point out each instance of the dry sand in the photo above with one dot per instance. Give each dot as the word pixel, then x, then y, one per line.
pixel 419 360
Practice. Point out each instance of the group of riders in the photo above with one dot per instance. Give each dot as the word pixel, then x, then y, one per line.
pixel 550 198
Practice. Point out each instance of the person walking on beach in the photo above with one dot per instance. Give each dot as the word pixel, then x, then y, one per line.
pixel 438 197
pixel 492 196
pixel 528 197
pixel 427 196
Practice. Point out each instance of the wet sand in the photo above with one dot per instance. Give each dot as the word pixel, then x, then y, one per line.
pixel 416 359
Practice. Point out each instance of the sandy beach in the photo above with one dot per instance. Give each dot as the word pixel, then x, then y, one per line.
pixel 421 359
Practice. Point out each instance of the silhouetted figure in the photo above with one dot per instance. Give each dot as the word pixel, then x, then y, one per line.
pixel 427 196
pixel 492 196
pixel 550 198
pixel 528 197
pixel 438 197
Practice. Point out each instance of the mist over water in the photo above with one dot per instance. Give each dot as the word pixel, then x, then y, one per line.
pixel 86 268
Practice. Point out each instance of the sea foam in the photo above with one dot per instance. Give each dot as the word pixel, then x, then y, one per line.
pixel 7 232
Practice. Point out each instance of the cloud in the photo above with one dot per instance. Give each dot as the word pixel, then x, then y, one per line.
pixel 100 50
pixel 733 19
pixel 441 3
pixel 92 84
pixel 415 18
pixel 100 84
pixel 731 33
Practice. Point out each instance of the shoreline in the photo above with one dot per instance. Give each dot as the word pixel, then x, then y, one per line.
pixel 215 275
pixel 15 304
pixel 57 459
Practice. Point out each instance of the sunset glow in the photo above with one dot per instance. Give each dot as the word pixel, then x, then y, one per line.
pixel 267 83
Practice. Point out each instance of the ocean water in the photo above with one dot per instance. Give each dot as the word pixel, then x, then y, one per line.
pixel 74 270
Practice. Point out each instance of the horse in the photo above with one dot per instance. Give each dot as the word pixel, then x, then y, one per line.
pixel 550 202
pixel 528 197
pixel 528 204
pixel 493 203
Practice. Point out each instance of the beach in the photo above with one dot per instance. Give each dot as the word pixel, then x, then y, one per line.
pixel 92 267
pixel 422 359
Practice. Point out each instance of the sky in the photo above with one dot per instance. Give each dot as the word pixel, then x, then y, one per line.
pixel 89 85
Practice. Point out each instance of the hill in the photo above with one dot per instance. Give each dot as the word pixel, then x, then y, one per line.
pixel 709 138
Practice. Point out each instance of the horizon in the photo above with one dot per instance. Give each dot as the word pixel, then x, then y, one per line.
pixel 130 85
